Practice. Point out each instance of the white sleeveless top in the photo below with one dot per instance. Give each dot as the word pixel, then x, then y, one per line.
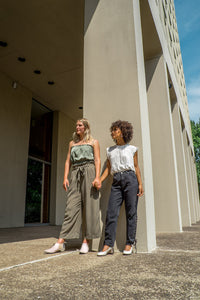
pixel 121 157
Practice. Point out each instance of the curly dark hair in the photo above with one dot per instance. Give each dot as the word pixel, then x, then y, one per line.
pixel 126 129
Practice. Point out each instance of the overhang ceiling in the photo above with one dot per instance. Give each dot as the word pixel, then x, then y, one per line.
pixel 49 35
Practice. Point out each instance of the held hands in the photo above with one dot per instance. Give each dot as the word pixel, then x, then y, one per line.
pixel 141 191
pixel 97 183
pixel 65 184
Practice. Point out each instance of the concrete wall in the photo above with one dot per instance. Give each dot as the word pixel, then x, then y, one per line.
pixel 112 91
pixel 15 113
pixel 181 165
pixel 63 128
pixel 166 188
pixel 194 187
pixel 189 182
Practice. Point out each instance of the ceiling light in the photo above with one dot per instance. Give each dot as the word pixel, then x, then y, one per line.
pixel 51 82
pixel 22 59
pixel 14 85
pixel 37 71
pixel 3 44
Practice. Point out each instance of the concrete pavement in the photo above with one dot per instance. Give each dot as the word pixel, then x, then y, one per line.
pixel 172 271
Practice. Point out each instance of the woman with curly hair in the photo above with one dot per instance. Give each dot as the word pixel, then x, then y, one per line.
pixel 83 159
pixel 122 163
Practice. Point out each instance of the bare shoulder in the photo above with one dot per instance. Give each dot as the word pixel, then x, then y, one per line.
pixel 71 143
pixel 95 142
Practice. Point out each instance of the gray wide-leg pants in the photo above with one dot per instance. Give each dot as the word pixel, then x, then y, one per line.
pixel 82 206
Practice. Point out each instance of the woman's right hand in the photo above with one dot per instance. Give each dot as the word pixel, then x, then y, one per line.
pixel 141 191
pixel 65 184
pixel 97 183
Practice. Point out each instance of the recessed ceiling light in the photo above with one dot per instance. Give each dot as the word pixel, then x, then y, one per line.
pixel 14 84
pixel 22 59
pixel 37 71
pixel 51 82
pixel 80 107
pixel 3 44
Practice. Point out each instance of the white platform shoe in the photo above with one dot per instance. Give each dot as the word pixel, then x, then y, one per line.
pixel 110 250
pixel 133 249
pixel 84 248
pixel 57 247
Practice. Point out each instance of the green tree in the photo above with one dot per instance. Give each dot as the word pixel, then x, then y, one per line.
pixel 196 141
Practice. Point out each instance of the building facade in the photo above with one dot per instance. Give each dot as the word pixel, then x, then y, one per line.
pixel 104 60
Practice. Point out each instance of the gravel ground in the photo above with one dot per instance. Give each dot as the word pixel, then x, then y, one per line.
pixel 172 271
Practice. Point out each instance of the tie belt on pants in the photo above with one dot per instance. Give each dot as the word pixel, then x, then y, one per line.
pixel 80 170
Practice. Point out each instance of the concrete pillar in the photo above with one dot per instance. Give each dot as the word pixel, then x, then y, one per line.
pixel 194 192
pixel 196 189
pixel 15 114
pixel 166 188
pixel 194 186
pixel 181 165
pixel 189 180
pixel 114 88
pixel 63 128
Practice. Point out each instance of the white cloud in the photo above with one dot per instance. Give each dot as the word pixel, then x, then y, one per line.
pixel 193 110
pixel 194 91
pixel 189 28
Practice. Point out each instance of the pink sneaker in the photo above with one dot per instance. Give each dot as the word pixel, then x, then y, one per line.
pixel 56 248
pixel 84 248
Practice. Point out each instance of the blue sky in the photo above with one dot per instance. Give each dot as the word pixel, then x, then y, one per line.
pixel 188 21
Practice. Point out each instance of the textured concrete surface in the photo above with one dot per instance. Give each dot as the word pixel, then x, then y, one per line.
pixel 172 271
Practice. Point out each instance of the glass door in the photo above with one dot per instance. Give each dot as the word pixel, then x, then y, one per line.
pixel 39 165
pixel 37 191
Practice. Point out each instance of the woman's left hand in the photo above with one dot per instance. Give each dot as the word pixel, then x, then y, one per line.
pixel 97 183
pixel 141 191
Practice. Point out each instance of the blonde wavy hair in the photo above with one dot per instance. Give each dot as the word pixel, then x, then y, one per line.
pixel 87 134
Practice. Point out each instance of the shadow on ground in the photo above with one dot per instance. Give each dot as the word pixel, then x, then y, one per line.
pixel 27 233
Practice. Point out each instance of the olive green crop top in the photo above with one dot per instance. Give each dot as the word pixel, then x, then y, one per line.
pixel 81 154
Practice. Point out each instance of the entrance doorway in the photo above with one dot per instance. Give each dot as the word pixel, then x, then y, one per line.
pixel 39 165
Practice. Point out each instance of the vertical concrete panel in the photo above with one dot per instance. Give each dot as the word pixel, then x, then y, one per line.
pixel 63 128
pixel 181 166
pixel 189 181
pixel 166 190
pixel 15 113
pixel 196 189
pixel 145 131
pixel 111 92
pixel 193 186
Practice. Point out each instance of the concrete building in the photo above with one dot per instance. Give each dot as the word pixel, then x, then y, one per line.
pixel 104 60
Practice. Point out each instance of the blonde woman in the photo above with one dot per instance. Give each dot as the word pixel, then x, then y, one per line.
pixel 83 159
